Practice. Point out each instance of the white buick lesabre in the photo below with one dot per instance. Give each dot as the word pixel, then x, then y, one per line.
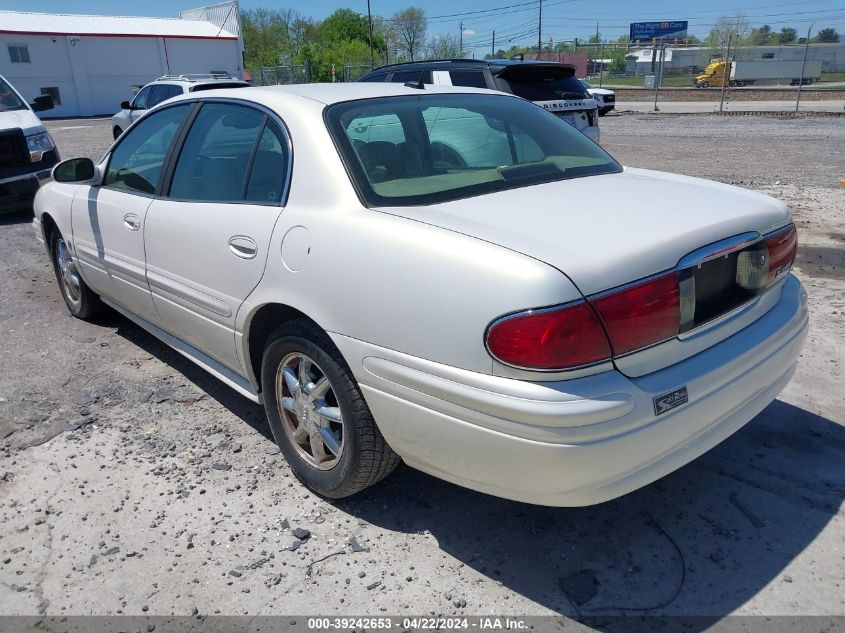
pixel 421 274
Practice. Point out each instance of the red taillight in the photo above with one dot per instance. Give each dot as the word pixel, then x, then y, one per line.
pixel 782 247
pixel 632 317
pixel 641 315
pixel 558 338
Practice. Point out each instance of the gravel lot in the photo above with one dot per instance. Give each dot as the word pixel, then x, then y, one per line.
pixel 134 483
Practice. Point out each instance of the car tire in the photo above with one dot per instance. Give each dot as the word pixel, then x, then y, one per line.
pixel 321 422
pixel 81 301
pixel 117 132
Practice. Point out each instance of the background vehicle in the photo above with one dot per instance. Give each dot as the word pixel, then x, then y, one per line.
pixel 748 73
pixel 164 88
pixel 455 298
pixel 27 151
pixel 606 99
pixel 548 84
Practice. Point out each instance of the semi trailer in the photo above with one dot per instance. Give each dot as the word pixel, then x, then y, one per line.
pixel 750 72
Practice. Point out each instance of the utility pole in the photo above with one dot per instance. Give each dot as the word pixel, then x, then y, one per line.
pixel 370 19
pixel 493 47
pixel 726 72
pixel 803 64
pixel 540 30
pixel 462 39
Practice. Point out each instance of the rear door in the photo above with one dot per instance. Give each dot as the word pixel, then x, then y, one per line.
pixel 207 239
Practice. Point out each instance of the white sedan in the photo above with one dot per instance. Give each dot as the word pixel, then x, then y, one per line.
pixel 420 274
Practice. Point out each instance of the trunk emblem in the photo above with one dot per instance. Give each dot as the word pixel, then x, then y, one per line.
pixel 669 401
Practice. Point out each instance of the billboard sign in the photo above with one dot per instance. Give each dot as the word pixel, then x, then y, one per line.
pixel 647 31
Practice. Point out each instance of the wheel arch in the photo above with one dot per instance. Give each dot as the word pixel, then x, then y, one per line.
pixel 257 329
pixel 48 225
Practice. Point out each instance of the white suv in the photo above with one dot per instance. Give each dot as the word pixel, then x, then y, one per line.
pixel 164 88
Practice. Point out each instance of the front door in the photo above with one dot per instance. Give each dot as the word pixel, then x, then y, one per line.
pixel 207 239
pixel 108 220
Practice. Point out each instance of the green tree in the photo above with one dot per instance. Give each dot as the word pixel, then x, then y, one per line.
pixel 787 35
pixel 827 36
pixel 760 36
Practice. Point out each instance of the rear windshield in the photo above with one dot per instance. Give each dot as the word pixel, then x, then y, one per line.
pixel 416 150
pixel 543 83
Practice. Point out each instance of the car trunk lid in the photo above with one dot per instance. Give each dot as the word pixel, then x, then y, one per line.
pixel 607 231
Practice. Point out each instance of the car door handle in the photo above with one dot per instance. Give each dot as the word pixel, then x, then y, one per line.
pixel 243 247
pixel 132 222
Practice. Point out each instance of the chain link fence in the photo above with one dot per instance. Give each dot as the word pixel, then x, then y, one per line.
pixel 280 75
pixel 669 71
pixel 353 72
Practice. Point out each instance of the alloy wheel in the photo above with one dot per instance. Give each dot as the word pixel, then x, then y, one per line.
pixel 308 406
pixel 68 274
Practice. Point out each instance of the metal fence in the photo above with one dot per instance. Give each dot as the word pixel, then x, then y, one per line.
pixel 280 75
pixel 353 72
pixel 723 75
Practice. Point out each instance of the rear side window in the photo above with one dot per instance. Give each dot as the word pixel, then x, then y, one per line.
pixel 269 167
pixel 411 75
pixel 468 78
pixel 543 83
pixel 374 78
pixel 136 162
pixel 216 155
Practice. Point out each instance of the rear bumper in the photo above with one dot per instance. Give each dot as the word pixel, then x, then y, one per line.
pixel 581 441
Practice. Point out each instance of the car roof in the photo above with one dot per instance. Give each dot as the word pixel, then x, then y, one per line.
pixel 469 63
pixel 322 94
pixel 196 79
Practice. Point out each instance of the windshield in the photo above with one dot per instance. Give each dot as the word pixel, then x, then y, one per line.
pixel 585 84
pixel 402 151
pixel 543 83
pixel 9 99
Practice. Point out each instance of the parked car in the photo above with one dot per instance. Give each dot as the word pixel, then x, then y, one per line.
pixel 27 151
pixel 548 84
pixel 605 99
pixel 456 299
pixel 163 89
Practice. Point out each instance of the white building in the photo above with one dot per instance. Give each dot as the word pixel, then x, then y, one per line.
pixel 90 63
pixel 696 58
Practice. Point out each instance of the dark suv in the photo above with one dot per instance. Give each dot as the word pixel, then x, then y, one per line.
pixel 548 84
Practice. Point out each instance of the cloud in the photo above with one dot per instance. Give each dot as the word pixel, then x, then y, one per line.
pixel 469 32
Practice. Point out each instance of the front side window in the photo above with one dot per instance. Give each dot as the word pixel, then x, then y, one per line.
pixel 216 156
pixel 142 98
pixel 136 162
pixel 9 99
pixel 455 146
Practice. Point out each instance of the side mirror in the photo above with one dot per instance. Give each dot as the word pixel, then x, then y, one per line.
pixel 74 170
pixel 125 105
pixel 41 103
